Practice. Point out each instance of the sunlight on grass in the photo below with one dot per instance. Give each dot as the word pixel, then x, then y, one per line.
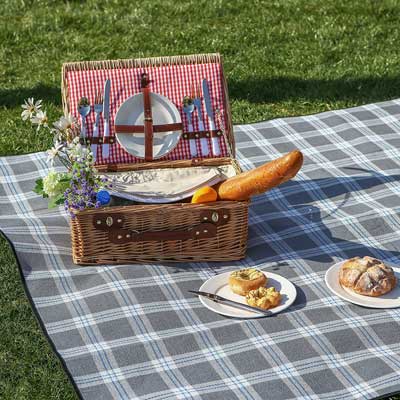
pixel 282 58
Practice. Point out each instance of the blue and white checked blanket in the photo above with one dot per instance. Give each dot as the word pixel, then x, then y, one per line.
pixel 134 331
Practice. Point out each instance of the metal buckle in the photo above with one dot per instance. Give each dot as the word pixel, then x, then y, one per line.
pixel 215 217
pixel 109 221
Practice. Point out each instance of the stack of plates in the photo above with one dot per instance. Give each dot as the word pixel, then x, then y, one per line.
pixel 131 112
pixel 166 185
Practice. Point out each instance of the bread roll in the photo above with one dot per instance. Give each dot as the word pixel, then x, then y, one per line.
pixel 261 179
pixel 244 280
pixel 367 276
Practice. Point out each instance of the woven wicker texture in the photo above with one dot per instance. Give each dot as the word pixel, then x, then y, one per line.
pixel 93 246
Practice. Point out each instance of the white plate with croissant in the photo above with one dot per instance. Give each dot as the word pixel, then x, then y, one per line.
pixel 365 281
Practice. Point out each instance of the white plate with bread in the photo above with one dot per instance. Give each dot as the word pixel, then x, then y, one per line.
pixel 365 281
pixel 249 286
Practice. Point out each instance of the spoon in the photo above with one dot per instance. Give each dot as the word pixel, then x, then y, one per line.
pixel 84 110
pixel 188 108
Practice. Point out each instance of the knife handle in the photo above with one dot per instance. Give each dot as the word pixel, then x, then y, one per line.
pixel 204 147
pixel 203 141
pixel 192 141
pixel 193 147
pixel 215 146
pixel 214 140
pixel 106 146
pixel 93 147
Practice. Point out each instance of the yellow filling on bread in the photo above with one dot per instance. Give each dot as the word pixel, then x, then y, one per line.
pixel 263 297
pixel 247 274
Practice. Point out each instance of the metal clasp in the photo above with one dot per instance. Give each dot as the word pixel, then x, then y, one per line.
pixel 109 221
pixel 215 217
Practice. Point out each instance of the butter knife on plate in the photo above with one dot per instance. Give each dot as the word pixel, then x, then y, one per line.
pixel 210 114
pixel 228 302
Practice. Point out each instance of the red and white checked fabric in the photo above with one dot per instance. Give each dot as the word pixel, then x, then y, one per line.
pixel 171 81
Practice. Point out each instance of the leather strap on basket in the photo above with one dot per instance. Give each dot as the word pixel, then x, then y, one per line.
pixel 202 134
pixel 176 126
pixel 200 231
pixel 97 140
pixel 210 220
pixel 148 119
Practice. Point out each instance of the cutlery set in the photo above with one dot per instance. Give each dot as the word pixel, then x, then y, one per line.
pixel 101 106
pixel 192 103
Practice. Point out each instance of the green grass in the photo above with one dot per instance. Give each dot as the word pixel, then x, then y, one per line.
pixel 282 58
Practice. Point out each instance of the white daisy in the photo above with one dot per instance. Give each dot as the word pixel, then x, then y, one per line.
pixel 54 152
pixel 65 127
pixel 40 119
pixel 65 123
pixel 30 108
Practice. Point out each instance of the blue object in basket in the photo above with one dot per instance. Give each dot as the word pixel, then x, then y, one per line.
pixel 103 197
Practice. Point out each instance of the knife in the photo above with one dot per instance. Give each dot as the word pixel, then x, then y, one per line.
pixel 223 300
pixel 106 117
pixel 203 140
pixel 209 110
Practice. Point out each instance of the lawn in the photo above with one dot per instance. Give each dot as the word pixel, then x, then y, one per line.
pixel 282 58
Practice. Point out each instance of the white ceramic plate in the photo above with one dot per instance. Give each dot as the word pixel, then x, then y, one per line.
pixel 388 300
pixel 219 285
pixel 163 111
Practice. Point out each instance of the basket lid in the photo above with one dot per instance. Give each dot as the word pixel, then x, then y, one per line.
pixel 172 77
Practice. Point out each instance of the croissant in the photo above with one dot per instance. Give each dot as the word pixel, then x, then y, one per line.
pixel 367 276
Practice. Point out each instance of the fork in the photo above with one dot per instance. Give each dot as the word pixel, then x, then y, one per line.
pixel 83 110
pixel 98 109
pixel 188 108
pixel 197 103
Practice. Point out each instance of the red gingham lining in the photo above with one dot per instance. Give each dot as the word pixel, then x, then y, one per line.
pixel 171 81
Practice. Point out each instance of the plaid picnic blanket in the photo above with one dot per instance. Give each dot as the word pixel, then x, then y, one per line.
pixel 133 331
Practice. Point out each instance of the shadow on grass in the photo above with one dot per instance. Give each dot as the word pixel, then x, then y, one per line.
pixel 360 90
pixel 16 97
pixel 259 90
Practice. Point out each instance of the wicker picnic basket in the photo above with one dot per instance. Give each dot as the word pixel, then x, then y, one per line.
pixel 178 232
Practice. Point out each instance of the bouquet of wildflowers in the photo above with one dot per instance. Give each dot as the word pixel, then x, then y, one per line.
pixel 76 188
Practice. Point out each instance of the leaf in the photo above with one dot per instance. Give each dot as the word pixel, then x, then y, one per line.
pixel 56 201
pixel 66 177
pixel 39 188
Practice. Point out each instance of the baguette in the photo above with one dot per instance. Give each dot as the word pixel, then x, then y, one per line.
pixel 261 179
